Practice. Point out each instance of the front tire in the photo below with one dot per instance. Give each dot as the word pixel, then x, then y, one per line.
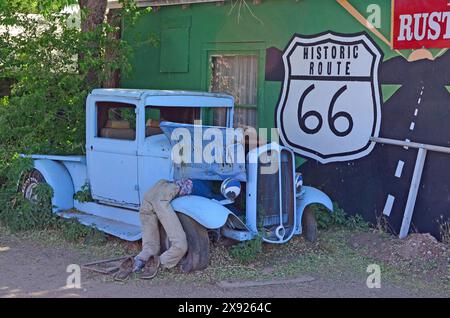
pixel 309 225
pixel 197 255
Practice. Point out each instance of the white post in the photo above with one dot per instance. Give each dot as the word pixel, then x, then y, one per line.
pixel 413 191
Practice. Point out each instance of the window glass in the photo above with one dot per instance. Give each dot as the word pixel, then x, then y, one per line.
pixel 154 115
pixel 220 116
pixel 116 120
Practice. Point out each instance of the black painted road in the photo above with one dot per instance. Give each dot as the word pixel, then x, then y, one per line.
pixel 379 184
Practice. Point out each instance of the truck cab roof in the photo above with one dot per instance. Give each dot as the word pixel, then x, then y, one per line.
pixel 167 98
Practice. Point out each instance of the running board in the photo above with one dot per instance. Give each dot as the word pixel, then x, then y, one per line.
pixel 125 231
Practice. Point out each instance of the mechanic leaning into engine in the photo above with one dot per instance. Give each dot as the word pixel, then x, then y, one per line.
pixel 156 207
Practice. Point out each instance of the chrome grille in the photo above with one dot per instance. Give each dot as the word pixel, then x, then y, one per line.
pixel 275 195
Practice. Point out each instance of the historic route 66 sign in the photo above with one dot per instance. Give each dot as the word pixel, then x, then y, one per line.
pixel 330 103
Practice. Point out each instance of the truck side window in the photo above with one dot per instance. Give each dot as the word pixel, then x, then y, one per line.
pixel 116 120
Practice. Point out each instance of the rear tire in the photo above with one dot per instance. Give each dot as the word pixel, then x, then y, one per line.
pixel 30 181
pixel 309 225
pixel 197 255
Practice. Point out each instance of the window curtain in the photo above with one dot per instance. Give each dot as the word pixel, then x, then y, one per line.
pixel 237 75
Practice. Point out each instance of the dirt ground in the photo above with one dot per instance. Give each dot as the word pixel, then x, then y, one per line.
pixel 33 266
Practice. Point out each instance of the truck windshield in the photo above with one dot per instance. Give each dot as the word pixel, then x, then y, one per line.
pixel 182 115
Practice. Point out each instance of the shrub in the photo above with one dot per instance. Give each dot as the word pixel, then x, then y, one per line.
pixel 247 251
pixel 338 218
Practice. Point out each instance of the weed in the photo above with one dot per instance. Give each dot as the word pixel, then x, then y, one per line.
pixel 444 230
pixel 21 215
pixel 356 222
pixel 247 251
pixel 84 195
pixel 338 218
pixel 382 225
pixel 73 231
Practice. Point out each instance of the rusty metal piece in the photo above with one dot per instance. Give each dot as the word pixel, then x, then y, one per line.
pixel 106 266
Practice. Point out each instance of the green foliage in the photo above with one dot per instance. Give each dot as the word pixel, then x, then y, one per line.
pixel 84 195
pixel 36 6
pixel 73 231
pixel 338 218
pixel 45 112
pixel 21 215
pixel 247 251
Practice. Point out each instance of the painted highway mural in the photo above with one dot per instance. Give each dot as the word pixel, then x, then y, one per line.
pixel 416 108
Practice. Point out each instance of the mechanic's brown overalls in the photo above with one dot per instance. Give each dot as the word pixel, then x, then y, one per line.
pixel 156 206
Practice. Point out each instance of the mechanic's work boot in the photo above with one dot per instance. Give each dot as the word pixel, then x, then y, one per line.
pixel 125 269
pixel 151 268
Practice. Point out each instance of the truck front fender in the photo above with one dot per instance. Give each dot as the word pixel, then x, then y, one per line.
pixel 209 213
pixel 57 177
pixel 310 196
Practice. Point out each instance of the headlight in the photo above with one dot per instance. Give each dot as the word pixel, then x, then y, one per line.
pixel 298 183
pixel 230 188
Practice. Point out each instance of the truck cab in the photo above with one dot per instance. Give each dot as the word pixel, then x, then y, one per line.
pixel 130 142
pixel 126 150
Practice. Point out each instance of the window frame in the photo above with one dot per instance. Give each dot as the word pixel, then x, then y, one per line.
pixel 96 134
pixel 236 49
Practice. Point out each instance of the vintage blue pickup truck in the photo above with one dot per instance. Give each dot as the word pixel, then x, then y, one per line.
pixel 129 148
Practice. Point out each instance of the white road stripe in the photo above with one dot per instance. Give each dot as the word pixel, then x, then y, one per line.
pixel 421 93
pixel 416 112
pixel 399 170
pixel 419 101
pixel 388 206
pixel 407 140
pixel 412 126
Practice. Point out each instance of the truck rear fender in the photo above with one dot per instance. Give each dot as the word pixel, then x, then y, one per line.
pixel 59 179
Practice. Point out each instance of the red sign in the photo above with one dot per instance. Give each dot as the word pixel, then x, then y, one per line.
pixel 421 24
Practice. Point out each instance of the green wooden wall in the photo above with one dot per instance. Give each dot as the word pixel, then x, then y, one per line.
pixel 202 29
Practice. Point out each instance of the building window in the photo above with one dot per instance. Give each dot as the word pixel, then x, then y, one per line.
pixel 237 75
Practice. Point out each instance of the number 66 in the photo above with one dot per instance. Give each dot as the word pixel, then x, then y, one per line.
pixel 331 118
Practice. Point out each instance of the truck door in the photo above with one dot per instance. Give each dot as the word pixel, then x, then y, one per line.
pixel 112 153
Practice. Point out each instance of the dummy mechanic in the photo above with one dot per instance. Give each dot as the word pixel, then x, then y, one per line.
pixel 156 207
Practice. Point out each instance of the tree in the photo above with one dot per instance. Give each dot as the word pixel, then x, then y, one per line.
pixel 39 48
pixel 93 14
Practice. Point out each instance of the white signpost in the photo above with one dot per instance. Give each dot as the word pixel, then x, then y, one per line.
pixel 330 105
